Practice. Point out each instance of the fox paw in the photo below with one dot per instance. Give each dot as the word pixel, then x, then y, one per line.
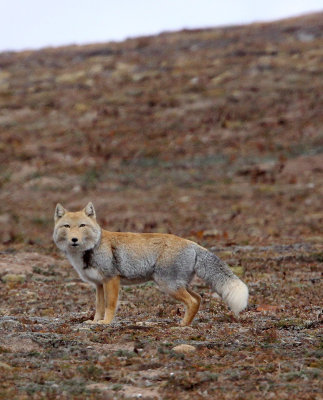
pixel 90 321
pixel 103 322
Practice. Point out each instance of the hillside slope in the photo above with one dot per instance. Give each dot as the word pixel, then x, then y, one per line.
pixel 183 132
pixel 215 135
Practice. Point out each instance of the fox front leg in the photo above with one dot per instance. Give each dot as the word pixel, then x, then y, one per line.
pixel 111 293
pixel 99 305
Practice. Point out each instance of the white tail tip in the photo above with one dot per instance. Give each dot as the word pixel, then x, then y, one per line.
pixel 235 294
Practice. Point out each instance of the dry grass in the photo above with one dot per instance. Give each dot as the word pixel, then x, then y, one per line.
pixel 213 135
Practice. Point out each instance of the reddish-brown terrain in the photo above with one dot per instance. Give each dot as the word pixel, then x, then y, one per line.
pixel 214 135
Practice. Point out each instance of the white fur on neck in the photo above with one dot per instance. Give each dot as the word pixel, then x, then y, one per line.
pixel 88 274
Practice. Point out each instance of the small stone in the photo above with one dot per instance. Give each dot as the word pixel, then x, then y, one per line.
pixel 267 308
pixel 146 323
pixel 211 232
pixel 184 348
pixel 80 107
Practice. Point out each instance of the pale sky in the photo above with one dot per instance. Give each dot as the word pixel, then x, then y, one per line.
pixel 33 24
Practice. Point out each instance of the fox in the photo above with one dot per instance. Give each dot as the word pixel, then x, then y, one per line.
pixel 107 260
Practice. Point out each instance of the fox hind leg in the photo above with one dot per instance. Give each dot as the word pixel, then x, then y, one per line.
pixel 191 301
pixel 194 294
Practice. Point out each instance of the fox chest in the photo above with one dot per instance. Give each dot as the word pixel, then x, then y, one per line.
pixel 87 271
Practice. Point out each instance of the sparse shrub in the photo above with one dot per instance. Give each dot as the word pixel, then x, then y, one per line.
pixel 90 371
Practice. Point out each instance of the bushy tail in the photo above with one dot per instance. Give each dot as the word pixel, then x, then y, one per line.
pixel 222 280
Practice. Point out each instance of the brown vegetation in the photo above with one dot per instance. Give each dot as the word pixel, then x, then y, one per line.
pixel 214 135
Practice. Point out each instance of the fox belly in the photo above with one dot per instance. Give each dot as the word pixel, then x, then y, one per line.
pixel 133 267
pixel 137 281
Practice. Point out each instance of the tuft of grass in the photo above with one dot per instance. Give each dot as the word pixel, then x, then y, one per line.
pixel 52 270
pixel 290 323
pixel 90 179
pixel 5 177
pixel 41 221
pixel 125 353
pixel 116 387
pixel 90 371
pixel 271 336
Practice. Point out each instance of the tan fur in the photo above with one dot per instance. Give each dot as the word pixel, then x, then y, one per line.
pixel 100 303
pixel 107 259
pixel 192 302
pixel 111 293
pixel 140 244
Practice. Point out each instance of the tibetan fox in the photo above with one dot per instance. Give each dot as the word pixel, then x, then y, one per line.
pixel 106 259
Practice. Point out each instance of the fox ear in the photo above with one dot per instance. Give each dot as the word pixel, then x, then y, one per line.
pixel 59 211
pixel 89 210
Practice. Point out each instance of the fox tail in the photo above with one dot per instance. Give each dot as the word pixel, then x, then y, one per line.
pixel 222 280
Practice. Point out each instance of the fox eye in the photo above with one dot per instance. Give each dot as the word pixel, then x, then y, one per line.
pixel 66 226
pixel 82 225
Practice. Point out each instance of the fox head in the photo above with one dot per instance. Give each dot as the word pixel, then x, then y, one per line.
pixel 76 231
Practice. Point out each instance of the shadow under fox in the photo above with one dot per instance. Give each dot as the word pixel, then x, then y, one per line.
pixel 108 259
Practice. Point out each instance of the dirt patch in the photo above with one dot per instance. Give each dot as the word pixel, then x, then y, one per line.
pixel 303 166
pixel 276 340
pixel 17 343
pixel 24 262
pixel 129 391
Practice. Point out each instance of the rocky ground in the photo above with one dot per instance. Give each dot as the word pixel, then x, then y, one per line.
pixel 214 135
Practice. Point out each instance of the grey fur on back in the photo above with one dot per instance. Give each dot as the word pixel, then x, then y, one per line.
pixel 179 273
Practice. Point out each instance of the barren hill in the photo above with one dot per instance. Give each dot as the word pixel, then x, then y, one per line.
pixel 182 132
pixel 214 135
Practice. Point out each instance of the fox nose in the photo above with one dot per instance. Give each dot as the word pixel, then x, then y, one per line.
pixel 74 240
